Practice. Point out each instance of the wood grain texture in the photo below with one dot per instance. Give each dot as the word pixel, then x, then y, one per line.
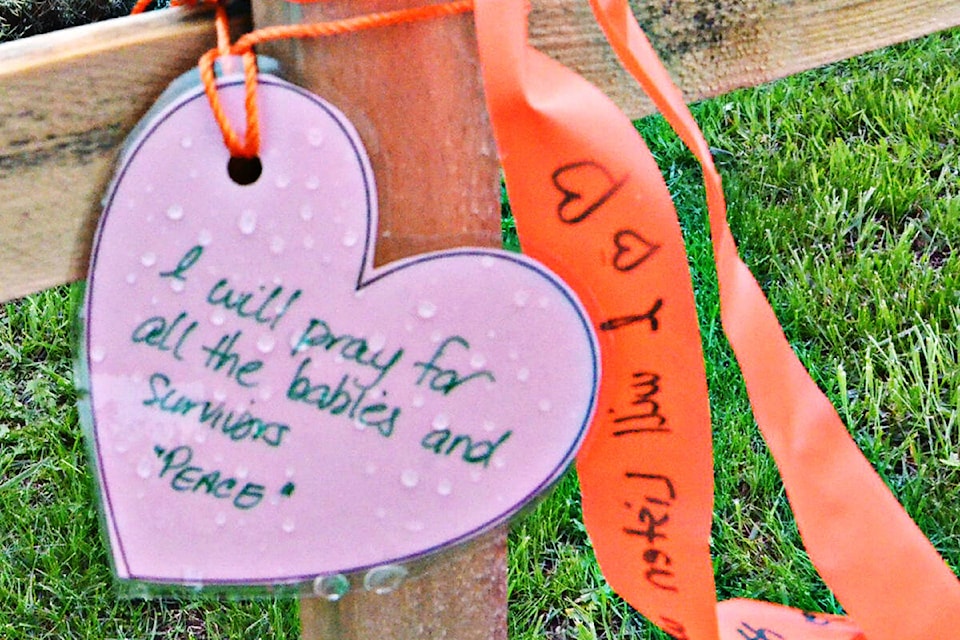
pixel 426 131
pixel 67 99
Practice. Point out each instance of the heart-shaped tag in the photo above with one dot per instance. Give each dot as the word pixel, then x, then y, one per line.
pixel 265 406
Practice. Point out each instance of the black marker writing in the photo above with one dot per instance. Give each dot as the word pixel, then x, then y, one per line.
pixel 586 186
pixel 650 317
pixel 645 416
pixel 649 519
pixel 673 628
pixel 632 250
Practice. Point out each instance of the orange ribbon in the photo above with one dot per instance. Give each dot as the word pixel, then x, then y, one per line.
pixel 590 203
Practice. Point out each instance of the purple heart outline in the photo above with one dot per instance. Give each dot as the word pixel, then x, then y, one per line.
pixel 271 306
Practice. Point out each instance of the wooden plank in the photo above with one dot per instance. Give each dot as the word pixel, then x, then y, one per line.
pixel 67 99
pixel 438 182
pixel 712 48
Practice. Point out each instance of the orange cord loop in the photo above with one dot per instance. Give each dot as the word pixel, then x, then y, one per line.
pixel 142 5
pixel 248 145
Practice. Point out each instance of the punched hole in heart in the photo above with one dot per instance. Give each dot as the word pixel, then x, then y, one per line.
pixel 244 171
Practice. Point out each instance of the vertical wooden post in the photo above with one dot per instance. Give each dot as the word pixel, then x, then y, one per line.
pixel 414 94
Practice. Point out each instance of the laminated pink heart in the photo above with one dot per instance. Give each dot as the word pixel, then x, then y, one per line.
pixel 264 405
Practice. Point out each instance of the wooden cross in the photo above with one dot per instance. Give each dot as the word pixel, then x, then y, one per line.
pixel 68 99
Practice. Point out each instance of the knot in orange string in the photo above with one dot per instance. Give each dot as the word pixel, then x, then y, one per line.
pixel 248 145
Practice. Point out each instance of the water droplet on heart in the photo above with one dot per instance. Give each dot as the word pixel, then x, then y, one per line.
pixel 242 472
pixel 175 212
pixel 488 426
pixel 545 405
pixel 306 213
pixel 219 395
pixel 266 343
pixel 186 142
pixel 148 259
pixel 520 298
pixel 377 341
pixel 487 261
pixel 380 512
pixel 204 237
pixel 477 360
pixel 444 487
pixel 491 334
pixel 543 302
pixel 288 526
pixel 176 286
pixel 499 463
pixel 523 374
pixel 417 401
pixel 97 354
pixel 220 519
pixel 315 137
pixel 426 309
pixel 331 588
pixel 217 318
pixel 193 577
pixel 370 468
pixel 383 580
pixel 131 278
pixel 276 245
pixel 282 181
pixel 350 238
pixel 313 183
pixel 409 478
pixel 247 222
pixel 144 468
pixel 413 526
pixel 441 421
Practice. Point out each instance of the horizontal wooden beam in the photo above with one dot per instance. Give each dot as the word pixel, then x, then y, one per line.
pixel 67 99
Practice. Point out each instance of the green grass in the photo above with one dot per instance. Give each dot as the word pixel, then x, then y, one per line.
pixel 845 199
pixel 22 18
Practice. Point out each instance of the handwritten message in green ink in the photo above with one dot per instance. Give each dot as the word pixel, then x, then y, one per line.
pixel 357 396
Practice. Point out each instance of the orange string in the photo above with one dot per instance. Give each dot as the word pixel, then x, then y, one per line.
pixel 248 145
pixel 142 5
